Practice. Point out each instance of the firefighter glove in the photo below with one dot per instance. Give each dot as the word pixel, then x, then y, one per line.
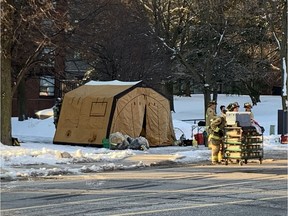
pixel 221 133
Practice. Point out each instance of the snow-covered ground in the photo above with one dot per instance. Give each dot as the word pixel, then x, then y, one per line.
pixel 38 156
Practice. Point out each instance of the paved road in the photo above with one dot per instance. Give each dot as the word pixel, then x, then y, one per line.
pixel 235 190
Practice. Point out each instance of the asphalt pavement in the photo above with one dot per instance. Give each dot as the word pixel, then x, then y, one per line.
pixel 185 190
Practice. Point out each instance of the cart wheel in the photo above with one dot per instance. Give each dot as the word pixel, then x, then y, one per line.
pixel 241 163
pixel 245 161
pixel 260 160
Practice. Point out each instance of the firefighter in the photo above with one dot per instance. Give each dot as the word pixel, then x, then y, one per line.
pixel 216 136
pixel 223 110
pixel 254 123
pixel 248 108
pixel 210 114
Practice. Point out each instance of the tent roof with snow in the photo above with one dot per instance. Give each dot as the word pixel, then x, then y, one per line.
pixel 93 111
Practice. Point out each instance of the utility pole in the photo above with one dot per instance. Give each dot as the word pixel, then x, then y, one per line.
pixel 283 54
pixel 282 114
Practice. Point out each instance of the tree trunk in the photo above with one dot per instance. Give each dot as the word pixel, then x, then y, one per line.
pixel 215 97
pixel 21 100
pixel 215 92
pixel 207 99
pixel 187 88
pixel 167 89
pixel 6 97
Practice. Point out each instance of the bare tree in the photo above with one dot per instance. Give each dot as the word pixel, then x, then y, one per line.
pixel 118 42
pixel 277 20
pixel 216 42
pixel 194 32
pixel 27 27
pixel 114 38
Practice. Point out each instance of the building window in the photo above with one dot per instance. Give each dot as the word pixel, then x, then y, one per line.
pixel 47 55
pixel 47 84
pixel 77 55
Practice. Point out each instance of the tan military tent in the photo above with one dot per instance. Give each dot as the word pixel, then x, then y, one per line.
pixel 93 111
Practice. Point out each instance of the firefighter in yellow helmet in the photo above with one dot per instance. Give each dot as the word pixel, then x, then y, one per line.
pixel 217 134
pixel 210 114
pixel 216 137
pixel 248 108
pixel 233 107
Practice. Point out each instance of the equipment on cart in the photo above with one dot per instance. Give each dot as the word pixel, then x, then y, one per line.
pixel 242 144
pixel 240 119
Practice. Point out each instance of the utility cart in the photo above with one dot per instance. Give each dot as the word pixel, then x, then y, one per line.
pixel 241 144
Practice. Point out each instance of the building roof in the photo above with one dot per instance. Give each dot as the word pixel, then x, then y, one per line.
pixel 113 82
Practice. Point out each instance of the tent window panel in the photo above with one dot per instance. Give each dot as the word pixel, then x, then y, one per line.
pixel 98 109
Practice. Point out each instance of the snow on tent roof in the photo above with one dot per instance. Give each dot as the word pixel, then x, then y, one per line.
pixel 113 82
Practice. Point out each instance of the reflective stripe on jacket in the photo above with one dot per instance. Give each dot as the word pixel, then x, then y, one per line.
pixel 214 136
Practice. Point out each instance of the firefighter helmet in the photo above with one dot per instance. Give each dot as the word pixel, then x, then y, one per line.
pixel 231 106
pixel 247 105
